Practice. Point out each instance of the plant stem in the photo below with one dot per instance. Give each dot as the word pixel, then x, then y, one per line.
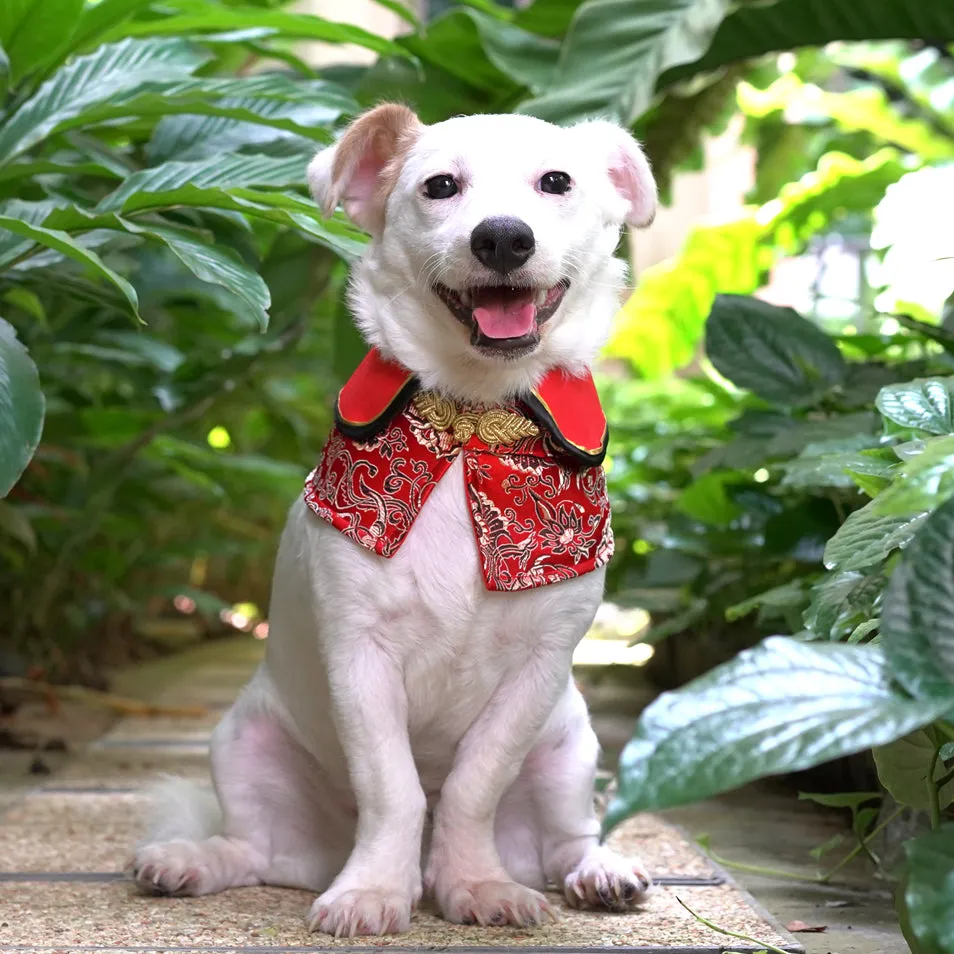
pixel 944 780
pixel 728 933
pixel 759 870
pixel 861 846
pixel 934 792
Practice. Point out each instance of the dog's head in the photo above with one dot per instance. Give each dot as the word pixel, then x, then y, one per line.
pixel 491 258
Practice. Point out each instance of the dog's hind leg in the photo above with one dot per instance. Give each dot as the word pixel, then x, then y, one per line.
pixel 273 823
pixel 562 770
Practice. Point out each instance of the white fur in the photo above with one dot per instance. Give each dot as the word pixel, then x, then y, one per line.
pixel 400 691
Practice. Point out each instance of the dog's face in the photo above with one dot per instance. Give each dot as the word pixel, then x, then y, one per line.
pixel 499 228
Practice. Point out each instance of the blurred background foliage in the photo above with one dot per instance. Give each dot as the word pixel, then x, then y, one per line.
pixel 169 278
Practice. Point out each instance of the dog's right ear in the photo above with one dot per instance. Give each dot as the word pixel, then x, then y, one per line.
pixel 360 169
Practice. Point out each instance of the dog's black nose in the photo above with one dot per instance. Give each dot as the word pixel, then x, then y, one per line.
pixel 502 243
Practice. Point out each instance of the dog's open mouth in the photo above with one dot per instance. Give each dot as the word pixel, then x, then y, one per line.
pixel 504 320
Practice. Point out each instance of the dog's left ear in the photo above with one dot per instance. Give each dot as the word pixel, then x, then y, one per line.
pixel 360 169
pixel 628 169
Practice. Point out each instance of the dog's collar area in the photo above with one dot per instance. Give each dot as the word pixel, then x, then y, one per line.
pixel 565 406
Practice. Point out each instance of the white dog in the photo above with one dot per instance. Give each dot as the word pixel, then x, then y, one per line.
pixel 416 706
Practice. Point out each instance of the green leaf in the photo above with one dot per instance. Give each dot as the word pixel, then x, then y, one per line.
pixel 706 499
pixel 4 71
pixel 14 523
pixel 149 349
pixel 917 623
pixel 486 51
pixel 842 601
pixel 925 481
pixel 903 768
pixel 217 266
pixel 218 173
pixel 867 537
pixel 615 51
pixel 100 77
pixel 754 29
pixel 65 244
pixel 789 595
pixel 771 351
pixel 929 895
pixel 924 405
pixel 30 29
pixel 198 17
pixel 200 116
pixel 21 408
pixel 852 800
pixel 95 20
pixel 284 208
pixel 784 706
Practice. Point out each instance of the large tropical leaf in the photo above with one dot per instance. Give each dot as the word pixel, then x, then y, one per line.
pixel 95 20
pixel 216 266
pixel 783 706
pixel 199 16
pixel 486 51
pixel 283 208
pixel 99 77
pixel 218 173
pixel 918 618
pixel 754 29
pixel 235 124
pixel 21 408
pixel 772 351
pixel 201 116
pixel 615 51
pixel 929 892
pixel 65 244
pixel 30 29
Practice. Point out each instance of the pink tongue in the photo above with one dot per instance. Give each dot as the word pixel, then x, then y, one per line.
pixel 505 315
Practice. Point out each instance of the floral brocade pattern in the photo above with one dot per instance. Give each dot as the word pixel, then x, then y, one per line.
pixel 537 519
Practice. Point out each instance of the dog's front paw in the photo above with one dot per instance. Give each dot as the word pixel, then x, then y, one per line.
pixel 494 902
pixel 172 867
pixel 357 911
pixel 605 880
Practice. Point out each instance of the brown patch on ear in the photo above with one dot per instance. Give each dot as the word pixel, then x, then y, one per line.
pixel 373 147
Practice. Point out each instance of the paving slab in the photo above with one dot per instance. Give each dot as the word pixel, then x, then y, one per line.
pixel 79 916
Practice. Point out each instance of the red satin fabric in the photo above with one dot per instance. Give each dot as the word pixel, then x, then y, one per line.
pixel 538 517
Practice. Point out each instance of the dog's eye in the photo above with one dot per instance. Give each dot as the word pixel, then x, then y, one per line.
pixel 441 187
pixel 555 183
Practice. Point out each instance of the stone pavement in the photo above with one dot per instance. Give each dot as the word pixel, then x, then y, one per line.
pixel 63 845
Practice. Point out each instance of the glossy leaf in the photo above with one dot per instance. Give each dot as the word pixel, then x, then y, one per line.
pixel 754 29
pixel 109 72
pixel 926 405
pixel 634 44
pixel 918 618
pixel 30 29
pixel 21 408
pixel 781 707
pixel 199 17
pixel 929 895
pixel 771 351
pixel 486 51
pixel 903 769
pixel 867 537
pixel 923 481
pixel 217 266
pixel 65 244
pixel 218 173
